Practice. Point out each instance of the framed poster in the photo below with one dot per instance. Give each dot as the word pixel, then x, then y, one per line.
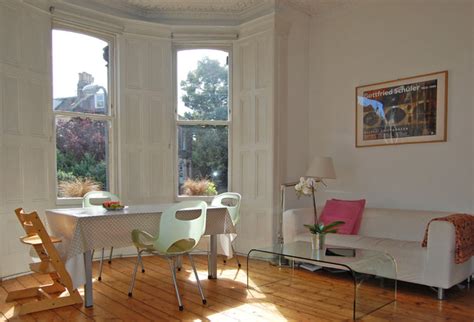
pixel 407 110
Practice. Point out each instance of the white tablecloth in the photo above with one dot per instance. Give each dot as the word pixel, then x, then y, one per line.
pixel 83 229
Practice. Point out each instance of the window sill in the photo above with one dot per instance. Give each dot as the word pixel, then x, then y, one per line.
pixel 207 199
pixel 73 202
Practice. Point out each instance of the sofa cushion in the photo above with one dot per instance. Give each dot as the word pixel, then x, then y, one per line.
pixel 361 204
pixel 409 256
pixel 397 223
pixel 347 211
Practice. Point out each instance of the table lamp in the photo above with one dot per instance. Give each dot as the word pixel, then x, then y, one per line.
pixel 320 168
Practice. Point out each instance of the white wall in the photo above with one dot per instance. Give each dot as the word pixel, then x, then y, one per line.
pixel 292 102
pixel 296 114
pixel 367 42
pixel 26 148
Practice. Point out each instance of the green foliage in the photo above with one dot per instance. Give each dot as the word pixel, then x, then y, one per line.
pixel 319 228
pixel 65 176
pixel 209 153
pixel 69 168
pixel 211 189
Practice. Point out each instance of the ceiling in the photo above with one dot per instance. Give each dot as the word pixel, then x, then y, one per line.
pixel 222 12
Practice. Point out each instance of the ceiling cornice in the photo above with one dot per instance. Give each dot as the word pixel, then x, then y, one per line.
pixel 202 12
pixel 182 12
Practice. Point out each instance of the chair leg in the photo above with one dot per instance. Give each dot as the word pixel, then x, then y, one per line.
pixel 179 262
pixel 92 255
pixel 197 279
pixel 111 253
pixel 101 265
pixel 233 251
pixel 141 262
pixel 235 255
pixel 132 283
pixel 173 274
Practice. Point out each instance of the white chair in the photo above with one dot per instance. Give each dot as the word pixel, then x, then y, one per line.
pixel 96 199
pixel 177 236
pixel 231 200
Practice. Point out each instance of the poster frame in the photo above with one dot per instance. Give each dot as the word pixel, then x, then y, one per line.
pixel 441 110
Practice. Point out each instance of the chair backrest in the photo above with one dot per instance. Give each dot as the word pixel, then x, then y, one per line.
pixel 33 226
pixel 96 198
pixel 233 207
pixel 181 233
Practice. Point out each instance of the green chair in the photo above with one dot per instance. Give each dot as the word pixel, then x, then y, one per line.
pixel 96 199
pixel 177 236
pixel 231 200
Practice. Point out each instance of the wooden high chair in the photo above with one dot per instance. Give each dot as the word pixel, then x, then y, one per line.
pixel 51 263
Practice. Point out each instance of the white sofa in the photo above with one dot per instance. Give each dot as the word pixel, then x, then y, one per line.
pixel 398 233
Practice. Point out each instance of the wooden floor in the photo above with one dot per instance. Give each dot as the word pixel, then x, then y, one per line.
pixel 282 295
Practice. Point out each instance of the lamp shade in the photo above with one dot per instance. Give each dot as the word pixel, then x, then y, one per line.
pixel 321 168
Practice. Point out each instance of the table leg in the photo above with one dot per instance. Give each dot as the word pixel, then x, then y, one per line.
pixel 88 286
pixel 212 261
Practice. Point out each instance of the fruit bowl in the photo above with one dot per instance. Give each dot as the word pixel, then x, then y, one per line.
pixel 113 205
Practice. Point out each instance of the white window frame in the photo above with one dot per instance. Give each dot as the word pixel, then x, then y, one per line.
pixel 181 47
pixel 110 117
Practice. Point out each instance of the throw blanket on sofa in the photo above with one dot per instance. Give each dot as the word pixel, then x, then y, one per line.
pixel 464 225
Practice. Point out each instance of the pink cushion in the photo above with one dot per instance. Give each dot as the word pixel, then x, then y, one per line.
pixel 361 204
pixel 349 211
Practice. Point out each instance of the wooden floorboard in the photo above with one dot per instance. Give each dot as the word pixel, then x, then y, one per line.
pixel 278 295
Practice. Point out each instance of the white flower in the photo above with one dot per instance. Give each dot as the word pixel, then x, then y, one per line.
pixel 305 187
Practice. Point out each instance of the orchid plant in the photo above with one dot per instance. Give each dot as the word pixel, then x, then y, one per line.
pixel 307 187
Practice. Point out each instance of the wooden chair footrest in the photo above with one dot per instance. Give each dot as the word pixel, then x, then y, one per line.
pixel 36 240
pixel 22 294
pixel 53 288
pixel 42 267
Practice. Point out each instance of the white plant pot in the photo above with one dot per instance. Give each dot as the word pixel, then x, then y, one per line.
pixel 317 241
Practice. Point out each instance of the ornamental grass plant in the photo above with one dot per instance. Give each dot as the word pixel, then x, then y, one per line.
pixel 78 187
pixel 201 187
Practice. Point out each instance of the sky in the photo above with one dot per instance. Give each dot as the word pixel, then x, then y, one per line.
pixel 74 53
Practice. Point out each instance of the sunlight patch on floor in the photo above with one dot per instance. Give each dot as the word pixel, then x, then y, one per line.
pixel 10 313
pixel 249 312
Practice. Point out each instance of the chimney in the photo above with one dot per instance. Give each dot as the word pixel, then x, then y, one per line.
pixel 84 79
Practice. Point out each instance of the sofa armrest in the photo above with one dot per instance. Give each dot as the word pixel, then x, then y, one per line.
pixel 293 221
pixel 441 269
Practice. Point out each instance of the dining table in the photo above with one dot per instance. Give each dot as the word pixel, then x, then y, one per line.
pixel 84 229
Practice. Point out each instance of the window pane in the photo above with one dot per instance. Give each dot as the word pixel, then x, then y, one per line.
pixel 80 73
pixel 82 153
pixel 203 159
pixel 203 84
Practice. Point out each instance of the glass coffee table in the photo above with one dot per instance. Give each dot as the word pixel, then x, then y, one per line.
pixel 371 274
